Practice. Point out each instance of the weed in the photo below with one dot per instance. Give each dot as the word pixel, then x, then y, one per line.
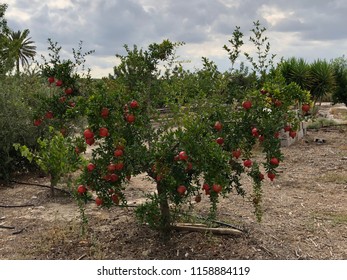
pixel 321 122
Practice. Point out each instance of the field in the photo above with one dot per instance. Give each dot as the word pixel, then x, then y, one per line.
pixel 305 216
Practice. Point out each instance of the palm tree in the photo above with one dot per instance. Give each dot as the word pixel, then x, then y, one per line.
pixel 297 71
pixel 322 79
pixel 21 48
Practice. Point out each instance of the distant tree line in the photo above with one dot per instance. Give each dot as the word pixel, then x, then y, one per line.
pixel 326 81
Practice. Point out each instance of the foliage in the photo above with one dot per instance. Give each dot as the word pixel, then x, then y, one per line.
pixel 322 79
pixel 241 80
pixel 137 69
pixel 321 122
pixel 208 143
pixel 56 155
pixel 3 21
pixel 15 47
pixel 65 88
pixel 236 43
pixel 182 86
pixel 29 105
pixel 339 66
pixel 17 100
pixel 297 71
pixel 238 82
pixel 20 48
pixel 263 61
pixel 6 62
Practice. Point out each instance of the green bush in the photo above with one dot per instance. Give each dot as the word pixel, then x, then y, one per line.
pixel 56 156
pixel 340 71
pixel 321 122
pixel 16 126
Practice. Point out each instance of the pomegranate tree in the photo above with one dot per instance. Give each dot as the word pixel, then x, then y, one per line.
pixel 201 149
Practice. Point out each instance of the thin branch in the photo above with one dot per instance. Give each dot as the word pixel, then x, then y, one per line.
pixel 218 223
pixel 229 231
pixel 82 257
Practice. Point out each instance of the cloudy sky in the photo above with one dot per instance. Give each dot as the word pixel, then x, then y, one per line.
pixel 311 29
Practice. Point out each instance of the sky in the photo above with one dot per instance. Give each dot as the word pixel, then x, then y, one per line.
pixel 309 29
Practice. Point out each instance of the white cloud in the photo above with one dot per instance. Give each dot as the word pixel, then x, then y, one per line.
pixel 60 4
pixel 231 3
pixel 273 14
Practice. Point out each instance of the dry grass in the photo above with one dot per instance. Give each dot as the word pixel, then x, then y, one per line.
pixel 335 218
pixel 339 112
pixel 334 177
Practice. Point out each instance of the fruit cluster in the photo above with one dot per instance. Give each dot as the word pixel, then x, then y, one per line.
pixel 108 169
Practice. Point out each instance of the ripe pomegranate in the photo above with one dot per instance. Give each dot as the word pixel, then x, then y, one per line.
pixel 292 134
pixel 181 189
pixel 274 161
pixel 236 154
pixel 183 155
pixel 247 163
pixel 218 126
pixel 81 189
pixel 271 176
pixel 130 118
pixel 90 141
pixel 98 201
pixel 247 105
pixel 37 122
pixel 51 80
pixel 49 115
pixel 305 108
pixel 103 132
pixel 105 113
pixel 255 132
pixel 118 153
pixel 68 91
pixel 90 167
pixel 217 188
pixel 88 134
pixel 220 140
pixel 134 104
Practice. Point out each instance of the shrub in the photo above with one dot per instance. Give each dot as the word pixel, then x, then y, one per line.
pixel 56 155
pixel 339 66
pixel 321 122
pixel 17 102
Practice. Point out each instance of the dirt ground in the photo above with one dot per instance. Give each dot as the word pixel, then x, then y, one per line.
pixel 305 216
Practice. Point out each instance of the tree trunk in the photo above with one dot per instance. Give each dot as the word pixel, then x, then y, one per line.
pixel 17 66
pixel 54 182
pixel 165 226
